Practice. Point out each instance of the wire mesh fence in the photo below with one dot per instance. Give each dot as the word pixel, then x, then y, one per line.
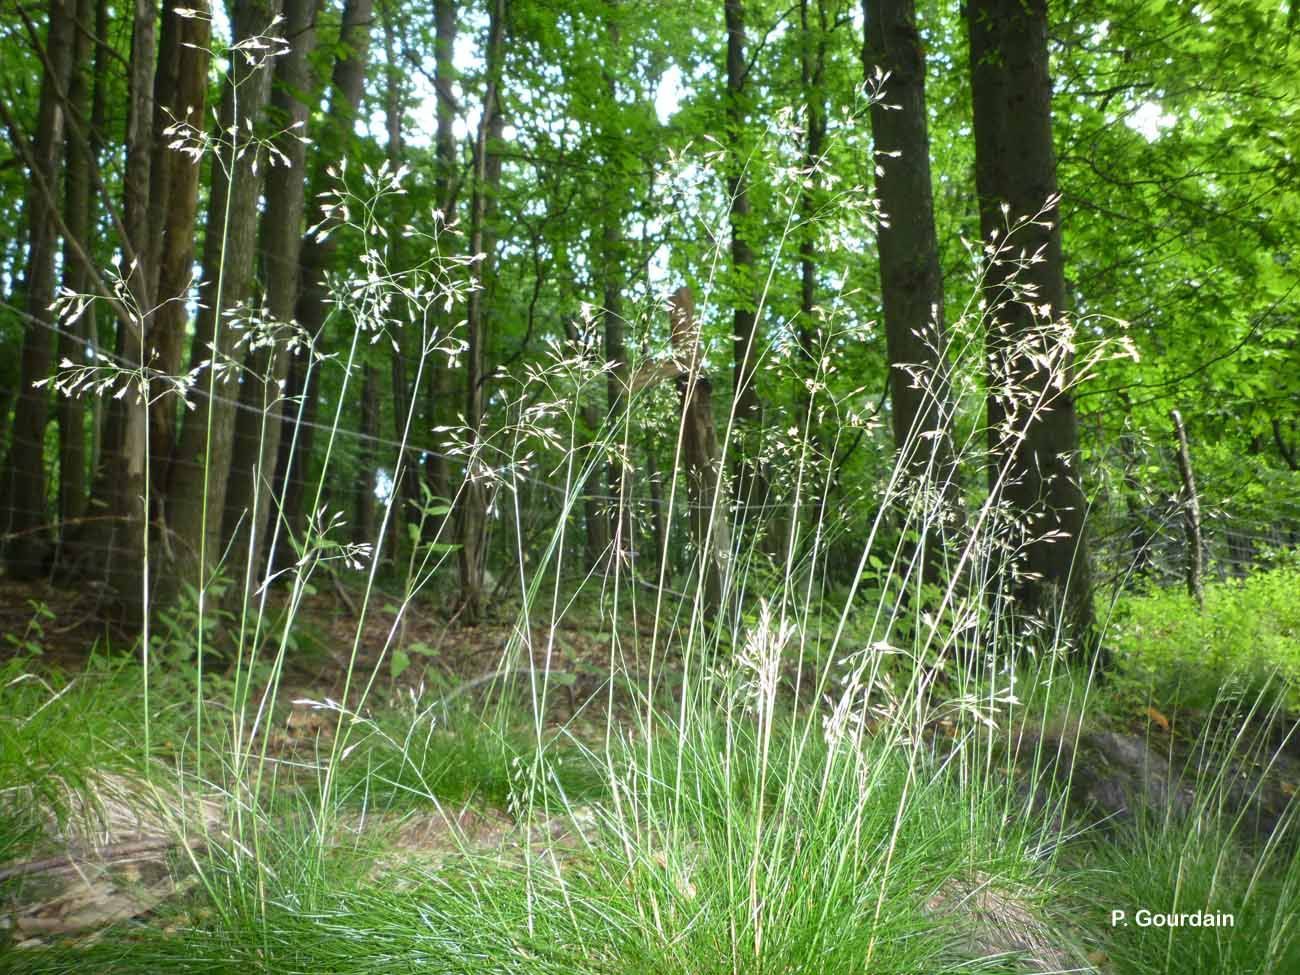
pixel 1249 508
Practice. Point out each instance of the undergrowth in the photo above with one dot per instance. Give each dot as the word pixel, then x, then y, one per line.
pixel 1246 641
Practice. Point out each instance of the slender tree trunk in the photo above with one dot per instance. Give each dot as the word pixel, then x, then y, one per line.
pixel 8 393
pixel 618 513
pixel 812 72
pixel 317 256
pixel 262 414
pixel 812 75
pixel 700 455
pixel 658 522
pixel 128 503
pixel 111 544
pixel 1191 513
pixel 201 464
pixel 613 269
pixel 98 116
pixel 750 488
pixel 1139 532
pixel 911 279
pixel 166 81
pixel 406 474
pixel 487 176
pixel 181 89
pixel 597 517
pixel 1033 431
pixel 440 393
pixel 79 217
pixel 363 522
pixel 28 546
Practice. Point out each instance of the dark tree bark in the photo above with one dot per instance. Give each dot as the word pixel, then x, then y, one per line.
pixel 658 522
pixel 911 280
pixel 317 257
pixel 700 458
pixel 441 393
pixel 613 269
pixel 406 473
pixel 262 414
pixel 129 503
pixel 79 217
pixel 750 487
pixel 97 135
pixel 28 515
pixel 363 519
pixel 812 74
pixel 181 90
pixel 201 464
pixel 1191 513
pixel 815 30
pixel 597 525
pixel 1033 431
pixel 487 178
pixel 113 545
pixel 166 81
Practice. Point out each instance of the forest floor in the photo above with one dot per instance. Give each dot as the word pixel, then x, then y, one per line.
pixel 114 859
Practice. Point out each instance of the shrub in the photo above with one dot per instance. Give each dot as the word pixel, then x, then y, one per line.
pixel 1245 643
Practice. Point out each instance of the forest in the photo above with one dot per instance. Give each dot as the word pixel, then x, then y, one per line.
pixel 665 486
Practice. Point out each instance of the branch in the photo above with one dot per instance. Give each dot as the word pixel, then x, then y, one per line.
pixel 762 42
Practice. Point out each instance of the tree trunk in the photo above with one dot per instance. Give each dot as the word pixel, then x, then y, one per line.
pixel 597 517
pixel 1139 531
pixel 613 258
pixel 98 115
pixel 317 256
pixel 487 176
pixel 1033 432
pixel 79 218
pixel 201 464
pixel 261 418
pixel 812 74
pixel 128 503
pixel 363 521
pixel 181 89
pixel 113 546
pixel 440 389
pixel 911 280
pixel 1285 450
pixel 1191 513
pixel 658 523
pixel 406 473
pixel 750 488
pixel 28 545
pixel 812 71
pixel 700 456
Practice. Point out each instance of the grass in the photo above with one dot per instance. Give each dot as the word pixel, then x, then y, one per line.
pixel 1188 867
pixel 865 836
pixel 738 831
pixel 425 756
pixel 59 734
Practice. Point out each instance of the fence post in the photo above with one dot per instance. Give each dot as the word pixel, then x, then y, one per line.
pixel 1191 513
